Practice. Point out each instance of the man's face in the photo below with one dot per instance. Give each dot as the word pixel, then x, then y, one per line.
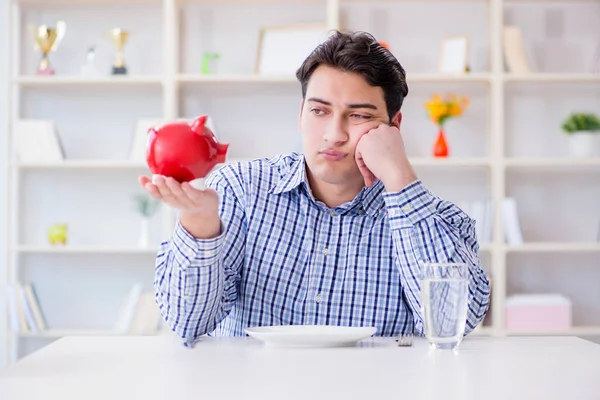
pixel 338 109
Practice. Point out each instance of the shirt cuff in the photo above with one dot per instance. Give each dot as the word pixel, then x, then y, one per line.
pixel 192 252
pixel 409 206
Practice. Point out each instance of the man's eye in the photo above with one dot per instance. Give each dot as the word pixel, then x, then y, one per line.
pixel 360 116
pixel 317 111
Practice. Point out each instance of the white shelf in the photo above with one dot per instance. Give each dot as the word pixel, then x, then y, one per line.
pixel 251 78
pixel 544 162
pixel 482 331
pixel 98 164
pixel 473 77
pixel 574 331
pixel 450 162
pixel 553 78
pixel 69 249
pixel 216 78
pixel 558 247
pixel 57 80
pixel 82 164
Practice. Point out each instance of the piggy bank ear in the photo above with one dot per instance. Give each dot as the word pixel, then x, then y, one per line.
pixel 198 124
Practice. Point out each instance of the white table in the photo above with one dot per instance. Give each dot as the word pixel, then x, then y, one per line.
pixel 84 368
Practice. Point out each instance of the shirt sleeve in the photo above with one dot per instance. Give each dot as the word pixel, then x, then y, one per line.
pixel 428 229
pixel 195 279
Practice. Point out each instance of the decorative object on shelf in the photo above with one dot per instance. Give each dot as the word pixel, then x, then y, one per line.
pixel 441 110
pixel 89 68
pixel 510 220
pixel 37 141
pixel 146 206
pixel 281 50
pixel 538 312
pixel 47 40
pixel 514 50
pixel 454 55
pixel 24 310
pixel 208 61
pixel 140 138
pixel 119 38
pixel 58 234
pixel 583 130
pixel 184 151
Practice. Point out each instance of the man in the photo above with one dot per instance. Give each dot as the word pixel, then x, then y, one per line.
pixel 334 236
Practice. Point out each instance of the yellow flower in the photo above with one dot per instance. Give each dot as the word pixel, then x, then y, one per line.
pixel 441 109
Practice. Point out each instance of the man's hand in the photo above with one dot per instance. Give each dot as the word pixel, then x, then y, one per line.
pixel 380 154
pixel 199 209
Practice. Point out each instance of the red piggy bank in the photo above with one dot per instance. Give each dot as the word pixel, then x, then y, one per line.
pixel 184 151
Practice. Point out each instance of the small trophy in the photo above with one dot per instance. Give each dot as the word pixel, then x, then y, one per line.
pixel 89 68
pixel 47 40
pixel 119 38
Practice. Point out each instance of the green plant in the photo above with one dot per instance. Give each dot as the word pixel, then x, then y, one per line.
pixel 146 205
pixel 581 122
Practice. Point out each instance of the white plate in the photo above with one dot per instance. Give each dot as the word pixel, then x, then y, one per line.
pixel 310 335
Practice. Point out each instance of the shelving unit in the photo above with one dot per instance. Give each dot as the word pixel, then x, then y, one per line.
pixel 507 144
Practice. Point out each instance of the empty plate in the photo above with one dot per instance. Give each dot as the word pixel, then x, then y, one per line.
pixel 310 335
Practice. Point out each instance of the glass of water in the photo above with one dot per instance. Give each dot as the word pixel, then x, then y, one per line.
pixel 445 290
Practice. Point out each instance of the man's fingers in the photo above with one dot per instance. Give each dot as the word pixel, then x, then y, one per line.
pixel 150 188
pixel 178 194
pixel 368 176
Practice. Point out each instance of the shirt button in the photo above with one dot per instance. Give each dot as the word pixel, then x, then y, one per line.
pixel 392 213
pixel 190 253
pixel 332 213
pixel 318 298
pixel 407 208
pixel 326 251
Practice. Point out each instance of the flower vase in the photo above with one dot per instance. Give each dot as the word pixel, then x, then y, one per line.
pixel 143 239
pixel 440 149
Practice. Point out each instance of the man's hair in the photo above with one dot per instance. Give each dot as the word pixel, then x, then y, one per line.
pixel 361 53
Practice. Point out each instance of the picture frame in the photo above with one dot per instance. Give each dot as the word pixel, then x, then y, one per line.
pixel 282 49
pixel 454 54
pixel 137 152
pixel 37 140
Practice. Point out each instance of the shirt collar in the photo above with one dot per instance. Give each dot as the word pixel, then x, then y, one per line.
pixel 292 176
pixel 370 197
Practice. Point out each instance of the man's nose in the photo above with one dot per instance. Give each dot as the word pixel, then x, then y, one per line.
pixel 336 131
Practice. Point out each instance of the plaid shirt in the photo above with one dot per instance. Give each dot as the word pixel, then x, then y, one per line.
pixel 284 257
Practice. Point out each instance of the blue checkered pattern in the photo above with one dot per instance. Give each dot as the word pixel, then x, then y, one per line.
pixel 284 257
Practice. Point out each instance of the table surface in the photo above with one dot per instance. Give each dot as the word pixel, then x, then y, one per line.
pixel 159 367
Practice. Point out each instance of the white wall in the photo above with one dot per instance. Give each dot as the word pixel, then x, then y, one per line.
pixel 3 133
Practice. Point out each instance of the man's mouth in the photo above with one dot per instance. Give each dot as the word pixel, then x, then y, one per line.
pixel 333 155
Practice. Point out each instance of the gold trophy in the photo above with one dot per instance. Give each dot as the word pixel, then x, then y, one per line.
pixel 119 38
pixel 47 40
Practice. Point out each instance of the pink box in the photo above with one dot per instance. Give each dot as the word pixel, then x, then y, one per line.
pixel 538 312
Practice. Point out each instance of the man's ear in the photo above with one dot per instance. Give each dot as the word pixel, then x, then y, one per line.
pixel 396 120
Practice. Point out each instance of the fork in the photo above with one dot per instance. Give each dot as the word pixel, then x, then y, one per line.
pixel 405 340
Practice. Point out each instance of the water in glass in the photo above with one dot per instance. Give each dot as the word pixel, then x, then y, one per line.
pixel 445 290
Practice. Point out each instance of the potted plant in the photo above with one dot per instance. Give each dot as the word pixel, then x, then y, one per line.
pixel 146 206
pixel 440 110
pixel 583 130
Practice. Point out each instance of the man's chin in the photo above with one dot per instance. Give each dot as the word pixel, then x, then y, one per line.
pixel 334 174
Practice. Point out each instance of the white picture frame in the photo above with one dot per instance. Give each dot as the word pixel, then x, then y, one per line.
pixel 282 49
pixel 37 141
pixel 140 138
pixel 454 55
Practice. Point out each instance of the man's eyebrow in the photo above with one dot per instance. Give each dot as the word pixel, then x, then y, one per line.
pixel 354 106
pixel 363 105
pixel 317 100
